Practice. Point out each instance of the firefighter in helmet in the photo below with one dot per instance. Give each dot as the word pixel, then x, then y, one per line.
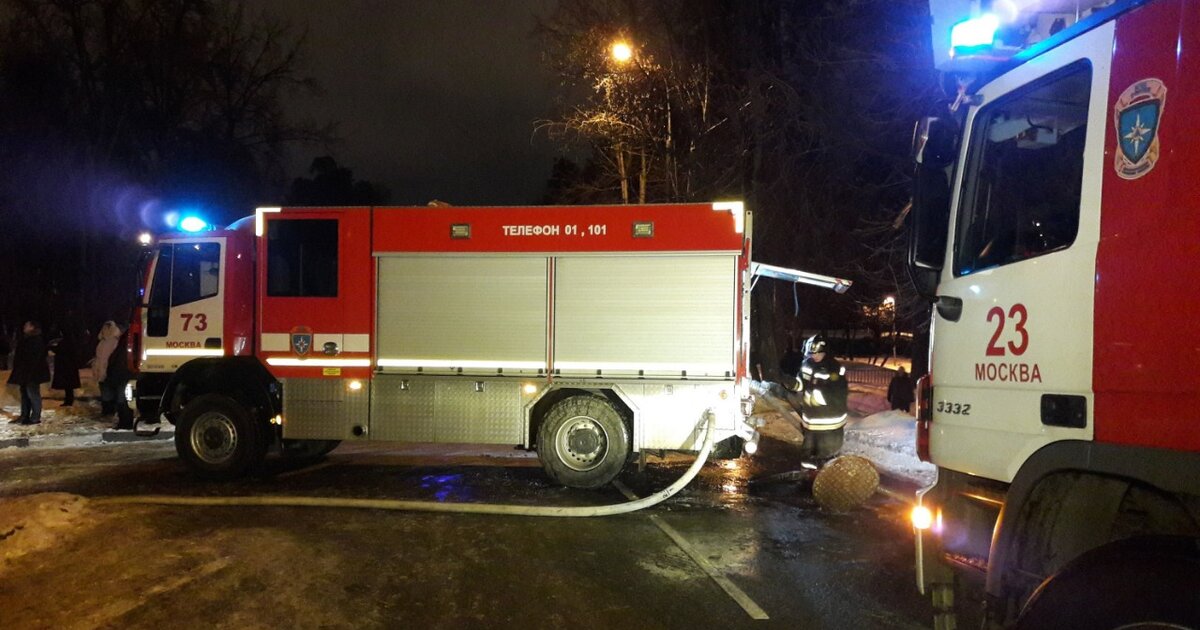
pixel 823 398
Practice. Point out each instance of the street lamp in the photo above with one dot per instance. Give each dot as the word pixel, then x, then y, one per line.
pixel 621 52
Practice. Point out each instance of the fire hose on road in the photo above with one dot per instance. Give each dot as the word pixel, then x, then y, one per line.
pixel 434 506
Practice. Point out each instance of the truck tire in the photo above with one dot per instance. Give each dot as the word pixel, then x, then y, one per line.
pixel 583 442
pixel 218 439
pixel 1134 583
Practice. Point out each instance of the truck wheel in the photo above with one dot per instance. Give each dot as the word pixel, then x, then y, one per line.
pixel 1134 583
pixel 583 442
pixel 218 439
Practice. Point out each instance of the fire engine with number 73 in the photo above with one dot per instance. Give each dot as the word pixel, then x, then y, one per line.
pixel 1056 226
pixel 588 333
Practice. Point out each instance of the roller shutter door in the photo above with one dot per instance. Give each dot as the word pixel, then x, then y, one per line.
pixel 645 315
pixel 477 314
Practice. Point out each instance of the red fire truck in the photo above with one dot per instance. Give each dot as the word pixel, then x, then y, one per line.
pixel 1057 227
pixel 588 333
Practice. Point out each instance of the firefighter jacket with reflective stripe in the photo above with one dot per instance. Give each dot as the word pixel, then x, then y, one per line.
pixel 824 388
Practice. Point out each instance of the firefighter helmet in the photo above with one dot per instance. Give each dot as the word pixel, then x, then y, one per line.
pixel 814 344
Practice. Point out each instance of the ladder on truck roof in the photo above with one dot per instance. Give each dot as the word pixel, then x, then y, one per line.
pixel 761 270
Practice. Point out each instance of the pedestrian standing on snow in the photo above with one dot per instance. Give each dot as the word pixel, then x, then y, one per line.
pixel 110 335
pixel 30 370
pixel 66 365
pixel 901 391
pixel 116 377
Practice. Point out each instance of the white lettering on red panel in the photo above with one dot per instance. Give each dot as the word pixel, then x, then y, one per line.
pixel 1005 342
pixel 598 229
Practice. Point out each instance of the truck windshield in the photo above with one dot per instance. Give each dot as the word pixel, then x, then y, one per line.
pixel 1022 186
pixel 185 273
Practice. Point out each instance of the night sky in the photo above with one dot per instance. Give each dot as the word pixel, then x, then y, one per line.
pixel 435 99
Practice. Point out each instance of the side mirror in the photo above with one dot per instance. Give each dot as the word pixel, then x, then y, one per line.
pixel 935 143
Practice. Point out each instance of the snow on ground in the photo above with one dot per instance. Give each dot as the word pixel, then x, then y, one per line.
pixel 79 424
pixel 885 436
pixel 39 521
pixel 888 438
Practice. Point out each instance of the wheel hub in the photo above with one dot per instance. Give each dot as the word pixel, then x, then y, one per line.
pixel 582 443
pixel 214 438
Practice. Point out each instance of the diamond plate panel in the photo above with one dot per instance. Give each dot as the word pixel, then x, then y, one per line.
pixel 670 413
pixel 448 410
pixel 323 409
pixel 494 415
pixel 403 409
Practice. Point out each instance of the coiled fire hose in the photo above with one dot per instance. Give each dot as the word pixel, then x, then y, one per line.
pixel 434 506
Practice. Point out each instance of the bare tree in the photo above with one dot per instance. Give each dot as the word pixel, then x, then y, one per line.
pixel 802 109
pixel 115 109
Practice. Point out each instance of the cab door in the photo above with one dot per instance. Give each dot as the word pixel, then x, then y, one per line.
pixel 1012 353
pixel 184 314
pixel 316 293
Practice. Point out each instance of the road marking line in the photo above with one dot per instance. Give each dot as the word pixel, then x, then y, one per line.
pixel 736 594
pixel 306 469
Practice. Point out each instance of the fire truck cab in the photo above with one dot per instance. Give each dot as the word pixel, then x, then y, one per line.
pixel 1056 226
pixel 586 333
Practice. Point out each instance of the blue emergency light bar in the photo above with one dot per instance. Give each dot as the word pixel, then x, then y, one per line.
pixel 193 224
pixel 975 34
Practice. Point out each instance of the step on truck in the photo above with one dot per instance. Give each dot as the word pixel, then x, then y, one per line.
pixel 587 333
pixel 1056 226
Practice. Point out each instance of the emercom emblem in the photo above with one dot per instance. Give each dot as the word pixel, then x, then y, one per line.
pixel 302 341
pixel 1137 114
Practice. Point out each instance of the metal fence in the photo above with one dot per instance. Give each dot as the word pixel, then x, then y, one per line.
pixel 868 375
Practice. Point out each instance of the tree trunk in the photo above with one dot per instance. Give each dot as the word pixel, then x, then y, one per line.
pixel 621 170
pixel 642 180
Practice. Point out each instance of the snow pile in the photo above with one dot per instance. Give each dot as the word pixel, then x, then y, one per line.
pixel 889 440
pixel 38 521
pixel 864 402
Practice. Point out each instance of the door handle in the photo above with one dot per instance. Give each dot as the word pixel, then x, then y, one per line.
pixel 950 308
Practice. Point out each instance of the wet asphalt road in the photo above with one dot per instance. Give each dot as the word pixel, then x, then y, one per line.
pixel 244 567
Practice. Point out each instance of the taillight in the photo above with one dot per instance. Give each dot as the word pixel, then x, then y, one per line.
pixel 924 415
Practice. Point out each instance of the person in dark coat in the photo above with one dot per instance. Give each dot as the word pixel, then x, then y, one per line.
pixel 66 365
pixel 30 370
pixel 901 391
pixel 116 377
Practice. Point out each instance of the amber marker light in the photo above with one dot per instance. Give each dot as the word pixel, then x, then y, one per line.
pixel 922 518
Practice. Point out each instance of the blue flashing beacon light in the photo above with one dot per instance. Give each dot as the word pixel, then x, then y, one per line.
pixel 975 35
pixel 192 224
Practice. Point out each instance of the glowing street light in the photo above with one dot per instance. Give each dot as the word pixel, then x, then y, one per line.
pixel 889 300
pixel 621 52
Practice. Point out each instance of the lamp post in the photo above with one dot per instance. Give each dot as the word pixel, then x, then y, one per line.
pixel 621 53
pixel 889 306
